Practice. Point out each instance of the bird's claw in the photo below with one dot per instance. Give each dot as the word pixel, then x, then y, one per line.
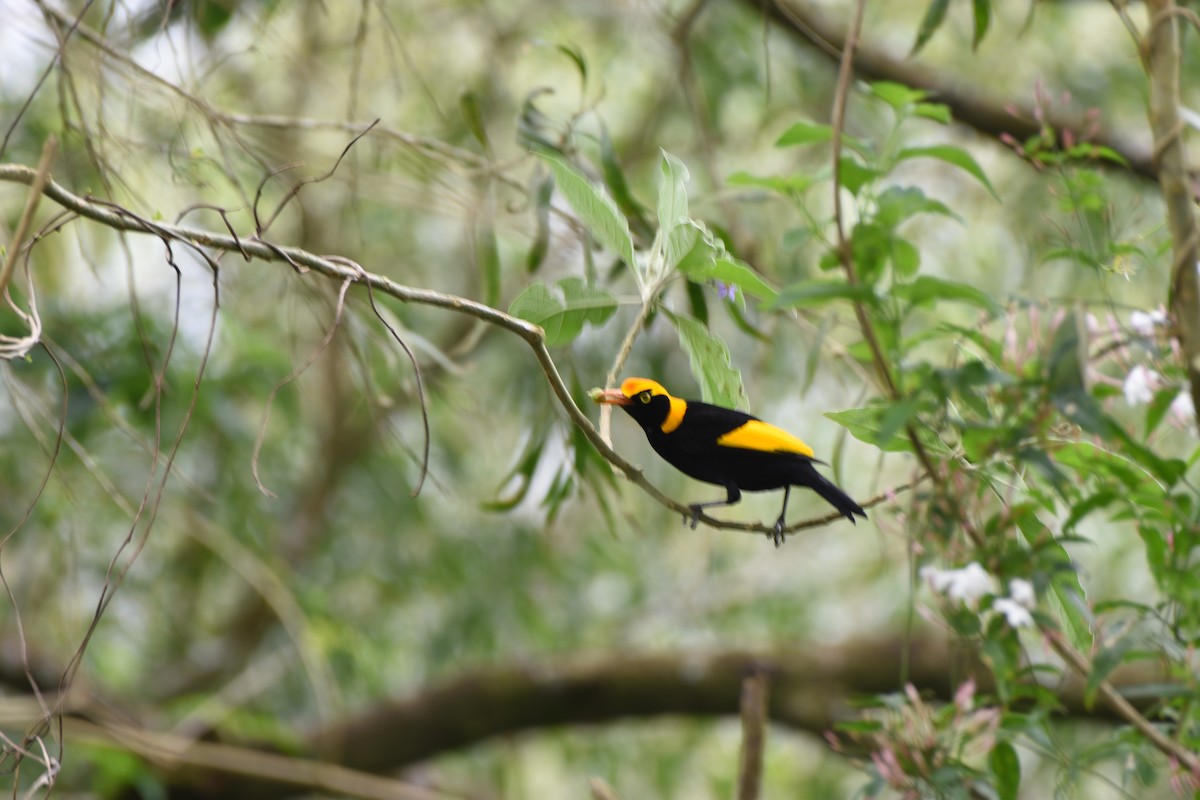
pixel 693 519
pixel 778 536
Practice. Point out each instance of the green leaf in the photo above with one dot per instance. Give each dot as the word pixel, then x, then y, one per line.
pixel 934 16
pixel 805 133
pixel 468 104
pixel 563 318
pixel 955 156
pixel 812 293
pixel 488 255
pixel 787 185
pixel 720 382
pixel 576 55
pixel 1066 595
pixel 938 112
pixel 906 259
pixel 927 289
pixel 1006 769
pixel 872 245
pixel 867 425
pixel 1157 409
pixel 1067 356
pixel 614 179
pixel 1108 659
pixel 729 270
pixel 672 192
pixel 981 13
pixel 593 205
pixel 541 237
pixel 899 203
pixel 854 174
pixel 897 95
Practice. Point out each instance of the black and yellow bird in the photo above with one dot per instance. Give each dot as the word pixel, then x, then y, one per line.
pixel 726 447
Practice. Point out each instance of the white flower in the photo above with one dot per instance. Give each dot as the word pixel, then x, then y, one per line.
pixel 1022 592
pixel 1017 615
pixel 1139 385
pixel 967 584
pixel 1183 408
pixel 1144 322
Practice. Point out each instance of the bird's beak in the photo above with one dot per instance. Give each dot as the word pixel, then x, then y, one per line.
pixel 612 397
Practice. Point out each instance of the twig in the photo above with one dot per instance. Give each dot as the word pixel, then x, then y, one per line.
pixel 1123 707
pixel 31 203
pixel 844 248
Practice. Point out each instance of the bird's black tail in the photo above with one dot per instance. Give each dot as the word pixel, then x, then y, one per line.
pixel 833 495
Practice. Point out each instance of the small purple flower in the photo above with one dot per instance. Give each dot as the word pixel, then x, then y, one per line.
pixel 726 291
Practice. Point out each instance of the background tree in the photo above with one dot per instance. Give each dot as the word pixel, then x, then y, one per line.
pixel 303 491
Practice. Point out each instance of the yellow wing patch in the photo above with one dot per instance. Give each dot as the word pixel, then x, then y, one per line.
pixel 758 435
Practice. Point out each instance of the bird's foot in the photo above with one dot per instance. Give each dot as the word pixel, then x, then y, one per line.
pixel 693 519
pixel 778 536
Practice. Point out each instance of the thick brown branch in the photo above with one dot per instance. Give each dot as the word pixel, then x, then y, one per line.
pixel 967 103
pixel 811 690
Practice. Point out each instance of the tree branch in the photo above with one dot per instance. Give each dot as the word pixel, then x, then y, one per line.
pixel 342 270
pixel 1160 52
pixel 811 690
pixel 968 105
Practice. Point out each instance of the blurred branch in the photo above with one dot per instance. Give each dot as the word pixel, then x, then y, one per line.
pixel 755 691
pixel 340 269
pixel 1160 54
pixel 1122 707
pixel 811 690
pixel 967 103
pixel 253 768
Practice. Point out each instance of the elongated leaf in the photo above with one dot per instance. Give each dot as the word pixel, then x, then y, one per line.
pixel 1108 659
pixel 928 288
pixel 805 133
pixel 899 203
pixel 593 205
pixel 729 270
pixel 897 95
pixel 981 12
pixel 563 318
pixel 614 178
pixel 488 254
pixel 1066 595
pixel 672 192
pixel 866 425
pixel 720 382
pixel 541 238
pixel 468 103
pixel 811 293
pixel 934 16
pixel 787 185
pixel 1006 769
pixel 955 156
pixel 937 112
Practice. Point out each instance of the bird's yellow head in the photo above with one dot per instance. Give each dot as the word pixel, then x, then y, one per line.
pixel 647 402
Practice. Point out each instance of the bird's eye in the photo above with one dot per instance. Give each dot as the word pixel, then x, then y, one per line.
pixel 644 397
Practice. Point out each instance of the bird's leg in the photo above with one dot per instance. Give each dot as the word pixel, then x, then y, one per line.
pixel 779 536
pixel 734 494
